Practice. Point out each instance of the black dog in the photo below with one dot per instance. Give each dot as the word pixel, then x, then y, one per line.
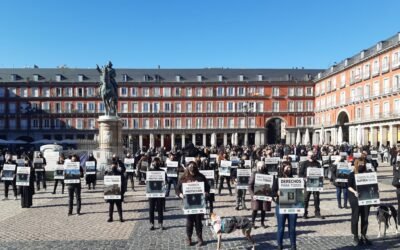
pixel 383 215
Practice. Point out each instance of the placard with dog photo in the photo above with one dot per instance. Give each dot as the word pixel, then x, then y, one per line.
pixel 112 187
pixel 90 167
pixel 72 173
pixel 243 177
pixel 291 195
pixel 247 164
pixel 38 164
pixel 59 172
pixel 129 165
pixel 193 198
pixel 342 172
pixel 225 168
pixel 20 162
pixel 235 161
pixel 209 174
pixel 172 169
pixel 295 169
pixel 272 165
pixel 374 155
pixel 8 172
pixel 263 187
pixel 367 188
pixel 155 184
pixel 315 179
pixel 23 176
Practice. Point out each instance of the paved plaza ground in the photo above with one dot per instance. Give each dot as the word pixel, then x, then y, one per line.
pixel 47 226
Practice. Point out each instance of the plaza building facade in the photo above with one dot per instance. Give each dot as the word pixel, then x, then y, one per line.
pixel 160 107
pixel 361 97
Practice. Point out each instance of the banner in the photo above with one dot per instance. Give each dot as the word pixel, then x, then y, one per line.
pixel 243 177
pixel 193 198
pixel 209 174
pixel 155 184
pixel 291 195
pixel 20 162
pixel 23 176
pixel 367 188
pixel 72 173
pixel 303 158
pixel 172 169
pixel 315 179
pixel 129 165
pixel 295 169
pixel 8 172
pixel 225 168
pixel 263 187
pixel 112 187
pixel 342 172
pixel 59 172
pixel 90 167
pixel 335 158
pixel 52 158
pixel 38 164
pixel 272 165
pixel 235 161
pixel 374 155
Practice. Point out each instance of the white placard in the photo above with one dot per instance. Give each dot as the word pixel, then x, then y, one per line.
pixel 59 172
pixel 112 187
pixel 342 172
pixel 129 165
pixel 293 158
pixel 155 184
pixel 8 172
pixel 243 177
pixel 20 162
pixel 356 155
pixel 247 163
pixel 367 188
pixel 291 195
pixel 303 158
pixel 225 168
pixel 374 155
pixel 172 169
pixel 209 174
pixel 90 167
pixel 189 159
pixel 193 198
pixel 72 173
pixel 263 187
pixel 23 176
pixel 315 179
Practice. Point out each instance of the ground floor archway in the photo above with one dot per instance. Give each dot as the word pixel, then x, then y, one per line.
pixel 273 131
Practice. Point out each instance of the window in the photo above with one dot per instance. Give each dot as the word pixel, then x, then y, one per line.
pixel 334 83
pixel 124 107
pixel 396 83
pixel 198 92
pixel 209 107
pixel 101 107
pixel 46 92
pixel 367 91
pixel 386 109
pixel 135 123
pixel 367 112
pixel 156 92
pixel 68 92
pixel 125 123
pixel 231 123
pixel 376 110
pixel 199 107
pixel 209 92
pixel 343 80
pixel 385 64
pixel 188 122
pixel 366 72
pixel 90 92
pixel 35 123
pixel 134 92
pixel 124 91
pixel 275 106
pixel 12 124
pixel 230 106
pixel 188 107
pixel 166 91
pixel 220 123
pixel 177 91
pixel 309 105
pixel 386 86
pixel 395 59
pixel 275 91
pixel 291 106
pixel 12 92
pixel 68 107
pixel 157 123
pixel 358 113
pixel 260 91
pixel 231 91
pixel 291 92
pixel 375 67
pixel 242 123
pixel 259 107
pixel 299 106
pixel 220 107
pixel 188 91
pixel 146 92
pixel 353 95
pixel 68 123
pixel 92 123
pixel 79 107
pixel 251 91
pixel 91 107
pixel 178 107
pixel 376 89
pixel 299 92
pixel 79 92
pixel 79 123
pixel 396 106
pixel 156 107
pixel 2 125
pixel 135 107
pixel 241 91
pixel 24 123
pixel 2 92
pixel 251 122
pixel 300 121
pixel 145 107
pixel 178 123
pixel 198 122
pixel 210 123
pixel 2 109
pixel 24 92
pixel 167 107
pixel 220 91
pixel 146 123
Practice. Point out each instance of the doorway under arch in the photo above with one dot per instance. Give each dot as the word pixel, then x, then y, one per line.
pixel 273 131
pixel 342 120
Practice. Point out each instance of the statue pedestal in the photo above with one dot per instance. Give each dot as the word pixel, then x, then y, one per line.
pixel 110 139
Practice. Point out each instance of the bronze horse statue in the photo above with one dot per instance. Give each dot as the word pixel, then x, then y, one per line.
pixel 108 90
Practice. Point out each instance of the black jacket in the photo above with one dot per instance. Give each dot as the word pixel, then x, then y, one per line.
pixel 307 164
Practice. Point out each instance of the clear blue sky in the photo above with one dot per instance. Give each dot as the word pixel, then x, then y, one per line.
pixel 191 34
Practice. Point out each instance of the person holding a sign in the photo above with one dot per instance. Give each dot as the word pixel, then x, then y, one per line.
pixel 91 175
pixel 156 200
pixel 74 187
pixel 129 162
pixel 285 171
pixel 27 192
pixel 258 205
pixel 172 178
pixel 396 183
pixel 360 166
pixel 114 171
pixel 192 174
pixel 225 175
pixel 60 162
pixel 241 188
pixel 311 162
pixel 339 179
pixel 8 176
pixel 39 164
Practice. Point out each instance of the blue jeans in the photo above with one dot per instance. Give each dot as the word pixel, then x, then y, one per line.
pixel 171 180
pixel 292 221
pixel 339 195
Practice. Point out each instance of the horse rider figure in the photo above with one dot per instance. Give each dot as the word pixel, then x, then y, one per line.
pixel 108 88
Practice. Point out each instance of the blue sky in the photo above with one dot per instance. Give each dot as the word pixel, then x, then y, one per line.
pixel 191 34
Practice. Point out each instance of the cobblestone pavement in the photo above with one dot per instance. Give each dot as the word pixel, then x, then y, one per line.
pixel 47 226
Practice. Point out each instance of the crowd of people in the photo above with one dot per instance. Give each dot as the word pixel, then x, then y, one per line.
pixel 294 161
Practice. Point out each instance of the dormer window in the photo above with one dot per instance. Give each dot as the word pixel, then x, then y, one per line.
pixel 124 77
pixel 260 77
pixel 178 78
pixel 241 78
pixel 362 54
pixel 59 78
pixel 36 77
pixel 13 77
pixel 145 78
pixel 199 78
pixel 220 78
pixel 346 62
pixel 81 78
pixel 379 46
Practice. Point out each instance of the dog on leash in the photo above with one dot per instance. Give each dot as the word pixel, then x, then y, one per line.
pixel 230 224
pixel 383 216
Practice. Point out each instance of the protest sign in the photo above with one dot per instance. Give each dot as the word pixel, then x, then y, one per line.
pixel 155 184
pixel 112 187
pixel 295 169
pixel 189 159
pixel 234 161
pixel 213 159
pixel 374 155
pixel 342 172
pixel 291 195
pixel 303 158
pixel 72 173
pixel 293 158
pixel 356 155
pixel 247 164
pixel 38 164
pixel 263 187
pixel 272 165
pixel 315 179
pixel 367 188
pixel 90 167
pixel 20 162
pixel 59 172
pixel 225 168
pixel 129 165
pixel 193 198
pixel 209 174
pixel 23 176
pixel 243 177
pixel 8 172
pixel 172 169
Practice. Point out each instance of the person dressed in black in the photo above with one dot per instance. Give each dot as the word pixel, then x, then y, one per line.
pixel 27 192
pixel 60 161
pixel 357 210
pixel 157 203
pixel 40 172
pixel 122 169
pixel 192 174
pixel 341 187
pixel 241 193
pixel 222 178
pixel 311 162
pixel 75 188
pixel 115 170
pixel 396 183
pixel 91 178
pixel 130 175
pixel 12 183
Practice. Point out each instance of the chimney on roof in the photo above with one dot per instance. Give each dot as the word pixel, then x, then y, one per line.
pixel 35 66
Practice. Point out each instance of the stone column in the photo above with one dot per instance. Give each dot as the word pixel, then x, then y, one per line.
pixel 380 134
pixel 374 136
pixel 204 139
pixel 257 138
pixel 350 135
pixel 194 139
pixel 393 134
pixel 162 140
pixel 140 141
pixel 183 140
pixel 130 139
pixel 384 135
pixel 365 137
pixel 172 140
pixel 262 138
pixel 246 139
pixel 225 139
